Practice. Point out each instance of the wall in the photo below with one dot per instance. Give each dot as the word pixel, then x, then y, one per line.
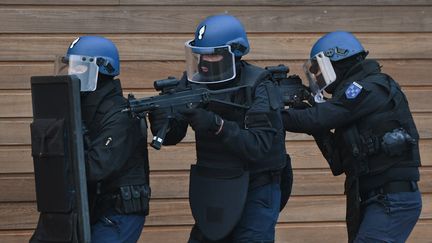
pixel 150 36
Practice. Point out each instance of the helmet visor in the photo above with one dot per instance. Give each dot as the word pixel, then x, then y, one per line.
pixel 83 67
pixel 320 73
pixel 209 64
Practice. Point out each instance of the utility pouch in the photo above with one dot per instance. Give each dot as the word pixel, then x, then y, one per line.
pixel 397 142
pixel 50 166
pixel 47 137
pixel 370 144
pixel 133 199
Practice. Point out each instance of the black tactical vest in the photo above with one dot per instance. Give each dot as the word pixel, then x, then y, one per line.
pixel 360 142
pixel 395 114
pixel 211 152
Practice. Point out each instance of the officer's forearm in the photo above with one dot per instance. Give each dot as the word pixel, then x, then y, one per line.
pixel 298 121
pixel 251 144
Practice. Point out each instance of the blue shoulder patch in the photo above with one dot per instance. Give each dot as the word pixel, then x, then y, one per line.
pixel 353 90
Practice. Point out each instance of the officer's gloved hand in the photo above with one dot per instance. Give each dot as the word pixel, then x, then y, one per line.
pixel 203 121
pixel 301 105
pixel 158 118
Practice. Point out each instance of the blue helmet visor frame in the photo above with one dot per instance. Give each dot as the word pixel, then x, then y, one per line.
pixel 320 73
pixel 209 65
pixel 83 67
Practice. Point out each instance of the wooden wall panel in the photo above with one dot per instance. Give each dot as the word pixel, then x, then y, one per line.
pixel 299 209
pixel 220 2
pixel 285 233
pixel 18 104
pixel 277 2
pixel 60 2
pixel 17 132
pixel 182 19
pixel 141 74
pixel 304 155
pixel 21 188
pixel 150 35
pixel 269 46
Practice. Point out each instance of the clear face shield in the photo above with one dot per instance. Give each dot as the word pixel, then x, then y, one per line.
pixel 320 73
pixel 83 67
pixel 209 65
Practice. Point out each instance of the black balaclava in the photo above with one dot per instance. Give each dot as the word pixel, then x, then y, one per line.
pixel 229 83
pixel 342 67
pixel 103 79
pixel 216 70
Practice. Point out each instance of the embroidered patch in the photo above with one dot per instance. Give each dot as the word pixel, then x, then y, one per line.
pixel 353 90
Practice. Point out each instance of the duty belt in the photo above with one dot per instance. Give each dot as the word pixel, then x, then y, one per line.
pixel 391 187
pixel 264 178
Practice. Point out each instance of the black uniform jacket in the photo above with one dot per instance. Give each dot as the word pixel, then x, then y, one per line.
pixel 355 99
pixel 116 151
pixel 258 146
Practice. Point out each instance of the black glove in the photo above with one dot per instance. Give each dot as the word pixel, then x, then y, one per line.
pixel 157 120
pixel 301 105
pixel 203 121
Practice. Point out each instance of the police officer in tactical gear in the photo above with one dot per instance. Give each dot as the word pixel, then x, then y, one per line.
pixel 234 186
pixel 115 152
pixel 374 141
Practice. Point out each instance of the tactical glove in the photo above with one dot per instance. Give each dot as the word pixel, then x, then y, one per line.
pixel 203 121
pixel 157 120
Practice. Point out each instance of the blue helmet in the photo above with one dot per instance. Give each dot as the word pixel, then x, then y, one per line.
pixel 222 30
pixel 101 48
pixel 337 46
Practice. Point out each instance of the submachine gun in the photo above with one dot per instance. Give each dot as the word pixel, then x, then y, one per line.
pixel 294 93
pixel 173 98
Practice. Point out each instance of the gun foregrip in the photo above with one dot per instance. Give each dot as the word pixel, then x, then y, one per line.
pixel 159 138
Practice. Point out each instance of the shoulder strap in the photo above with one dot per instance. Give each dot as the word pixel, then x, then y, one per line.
pixel 253 75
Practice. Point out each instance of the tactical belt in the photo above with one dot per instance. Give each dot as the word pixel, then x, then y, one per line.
pixel 264 178
pixel 391 187
pixel 131 199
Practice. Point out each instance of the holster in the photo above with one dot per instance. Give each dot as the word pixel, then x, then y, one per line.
pixel 327 147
